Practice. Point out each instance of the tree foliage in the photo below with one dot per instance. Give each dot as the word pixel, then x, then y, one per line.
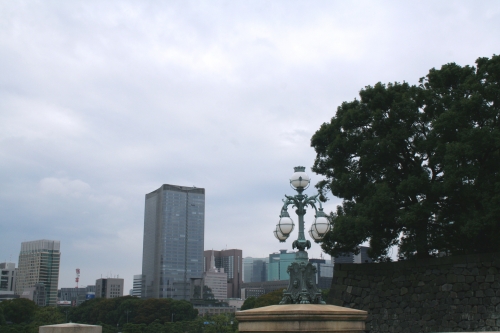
pixel 127 314
pixel 416 165
pixel 271 298
pixel 249 303
pixel 18 310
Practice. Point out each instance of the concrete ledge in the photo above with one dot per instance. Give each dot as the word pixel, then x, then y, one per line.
pixel 70 328
pixel 302 318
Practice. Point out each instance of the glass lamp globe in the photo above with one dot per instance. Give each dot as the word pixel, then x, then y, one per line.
pixel 321 225
pixel 277 233
pixel 314 235
pixel 300 179
pixel 285 225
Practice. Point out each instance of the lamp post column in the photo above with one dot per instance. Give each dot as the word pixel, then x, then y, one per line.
pixel 302 243
pixel 302 287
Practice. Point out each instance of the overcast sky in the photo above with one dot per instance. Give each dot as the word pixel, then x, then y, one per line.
pixel 102 102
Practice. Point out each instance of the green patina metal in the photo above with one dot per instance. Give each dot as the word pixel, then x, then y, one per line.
pixel 301 289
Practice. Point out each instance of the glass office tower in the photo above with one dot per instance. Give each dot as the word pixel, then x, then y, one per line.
pixel 39 264
pixel 174 226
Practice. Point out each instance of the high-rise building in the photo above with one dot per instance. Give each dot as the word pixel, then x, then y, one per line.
pixel 39 264
pixel 136 286
pixel 109 288
pixel 247 269
pixel 255 269
pixel 215 281
pixel 232 263
pixel 278 265
pixel 7 276
pixel 174 226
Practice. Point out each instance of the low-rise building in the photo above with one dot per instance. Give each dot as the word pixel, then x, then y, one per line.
pixel 75 296
pixel 109 288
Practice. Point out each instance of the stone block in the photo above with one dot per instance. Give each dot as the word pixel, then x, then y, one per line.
pixel 494 300
pixel 484 286
pixel 481 278
pixel 447 287
pixel 469 279
pixel 490 322
pixel 341 273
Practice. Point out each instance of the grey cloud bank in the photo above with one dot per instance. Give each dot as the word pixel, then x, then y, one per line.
pixel 102 102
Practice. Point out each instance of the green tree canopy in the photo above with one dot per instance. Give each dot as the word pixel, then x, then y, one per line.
pixel 416 165
pixel 271 298
pixel 18 310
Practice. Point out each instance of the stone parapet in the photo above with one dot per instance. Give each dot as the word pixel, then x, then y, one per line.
pixel 70 328
pixel 301 318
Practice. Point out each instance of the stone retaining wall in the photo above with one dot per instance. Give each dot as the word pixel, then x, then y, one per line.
pixel 450 294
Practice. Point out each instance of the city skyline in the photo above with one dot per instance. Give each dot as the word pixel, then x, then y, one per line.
pixel 103 101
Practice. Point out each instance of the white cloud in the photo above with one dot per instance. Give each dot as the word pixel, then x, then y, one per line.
pixel 63 187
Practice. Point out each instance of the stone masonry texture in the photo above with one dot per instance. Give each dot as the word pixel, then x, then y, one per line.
pixel 449 294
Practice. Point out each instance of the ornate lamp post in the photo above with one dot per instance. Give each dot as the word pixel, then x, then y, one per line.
pixel 302 289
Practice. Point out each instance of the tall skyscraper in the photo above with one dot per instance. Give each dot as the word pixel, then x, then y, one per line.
pixel 174 226
pixel 255 269
pixel 39 264
pixel 232 262
pixel 278 265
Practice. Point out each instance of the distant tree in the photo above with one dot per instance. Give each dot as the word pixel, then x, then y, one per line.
pixel 271 298
pixel 47 315
pixel 221 323
pixel 324 294
pixel 127 309
pixel 2 318
pixel 18 310
pixel 155 327
pixel 154 309
pixel 134 328
pixel 416 166
pixel 183 311
pixel 249 303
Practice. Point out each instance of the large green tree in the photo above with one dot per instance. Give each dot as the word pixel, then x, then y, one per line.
pixel 18 310
pixel 416 165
